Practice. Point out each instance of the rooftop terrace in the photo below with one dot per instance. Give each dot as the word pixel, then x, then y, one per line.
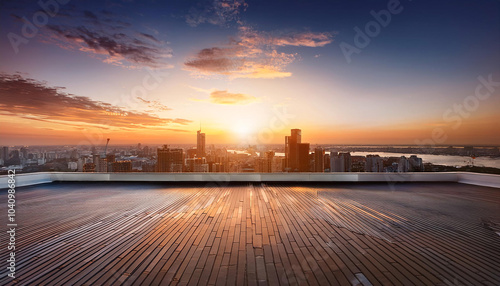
pixel 103 233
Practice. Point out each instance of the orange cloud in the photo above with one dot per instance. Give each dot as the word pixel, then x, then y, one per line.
pixel 224 97
pixel 253 54
pixel 33 100
pixel 227 98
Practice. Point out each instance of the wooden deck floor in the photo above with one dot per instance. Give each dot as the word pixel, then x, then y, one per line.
pixel 249 234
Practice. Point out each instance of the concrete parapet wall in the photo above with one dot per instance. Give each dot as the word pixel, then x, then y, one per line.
pixel 460 177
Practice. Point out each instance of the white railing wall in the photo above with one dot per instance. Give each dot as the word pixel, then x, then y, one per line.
pixel 48 177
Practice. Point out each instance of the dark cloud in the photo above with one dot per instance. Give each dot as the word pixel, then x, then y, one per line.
pixel 109 38
pixel 215 12
pixel 30 99
pixel 149 37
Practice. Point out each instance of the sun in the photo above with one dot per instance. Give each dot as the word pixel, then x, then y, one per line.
pixel 243 128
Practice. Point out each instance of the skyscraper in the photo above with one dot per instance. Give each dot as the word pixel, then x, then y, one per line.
pixel 319 160
pixel 291 150
pixel 296 152
pixel 200 144
pixel 303 157
pixel 170 160
pixel 5 153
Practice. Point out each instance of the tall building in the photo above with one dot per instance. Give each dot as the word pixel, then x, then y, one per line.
pixel 347 161
pixel 416 164
pixel 170 160
pixel 303 157
pixel 296 152
pixel 102 166
pixel 403 164
pixel 340 162
pixel 5 153
pixel 264 164
pixel 110 159
pixel 319 159
pixel 23 152
pixel 374 163
pixel 198 165
pixel 146 151
pixel 269 161
pixel 200 144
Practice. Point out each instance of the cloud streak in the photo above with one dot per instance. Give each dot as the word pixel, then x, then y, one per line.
pixel 253 54
pixel 155 105
pixel 29 99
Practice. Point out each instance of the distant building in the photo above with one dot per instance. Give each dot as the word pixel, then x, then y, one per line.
pixel 264 163
pixel 416 164
pixel 169 160
pixel 403 165
pixel 148 167
pixel 303 155
pixel 4 154
pixel 340 162
pixel 319 160
pixel 110 158
pixel 101 164
pixel 296 153
pixel 200 144
pixel 102 167
pixel 146 151
pixel 269 156
pixel 291 150
pixel 23 152
pixel 73 166
pixel 374 163
pixel 122 166
pixel 89 167
pixel 326 159
pixel 358 163
pixel 198 165
pixel 190 153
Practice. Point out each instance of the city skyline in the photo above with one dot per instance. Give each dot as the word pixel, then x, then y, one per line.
pixel 388 72
pixel 297 157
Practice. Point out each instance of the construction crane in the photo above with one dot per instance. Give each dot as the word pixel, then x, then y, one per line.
pixel 106 148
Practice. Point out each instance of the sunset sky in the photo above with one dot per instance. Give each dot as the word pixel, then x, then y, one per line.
pixel 249 71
